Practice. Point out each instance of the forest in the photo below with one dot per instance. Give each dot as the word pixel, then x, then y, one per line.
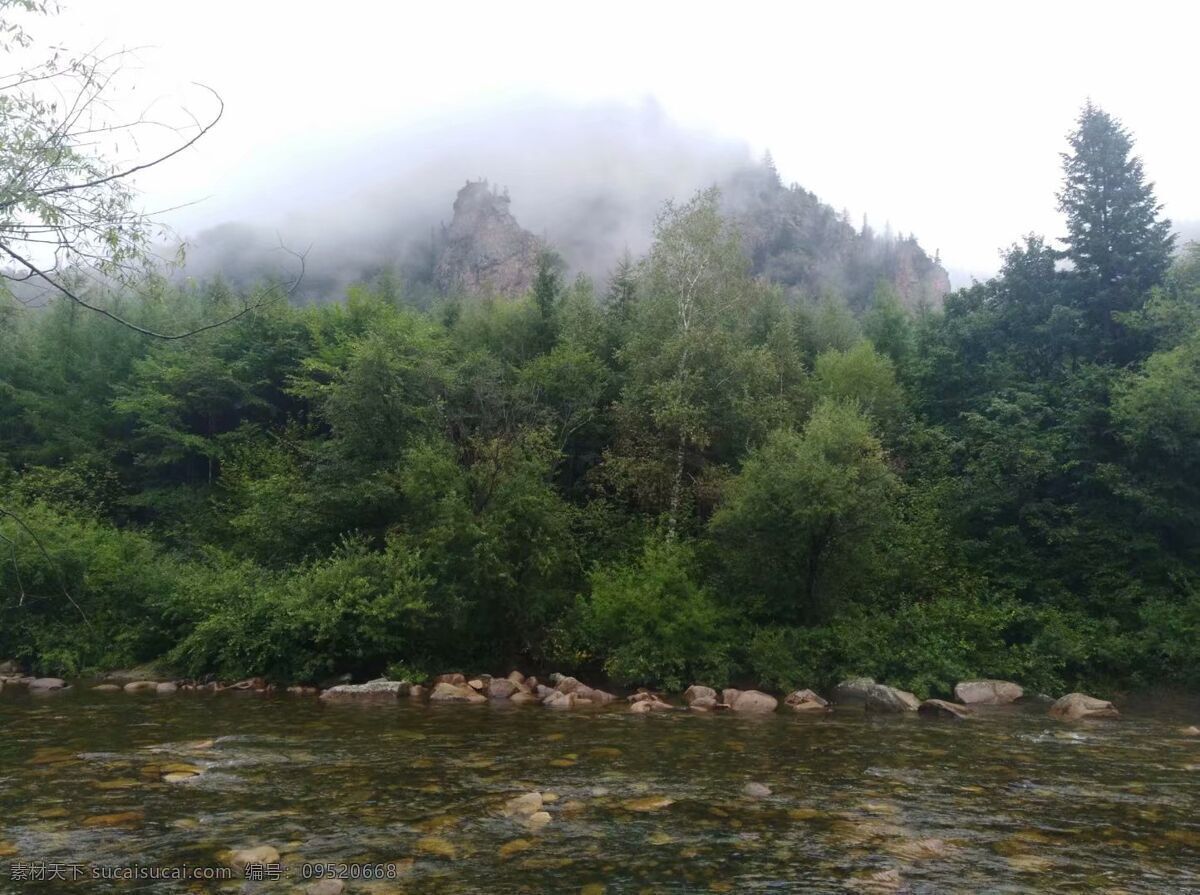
pixel 685 472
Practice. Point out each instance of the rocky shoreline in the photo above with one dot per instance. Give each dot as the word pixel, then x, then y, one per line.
pixel 564 692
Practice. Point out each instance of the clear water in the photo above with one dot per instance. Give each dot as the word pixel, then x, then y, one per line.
pixel 1009 802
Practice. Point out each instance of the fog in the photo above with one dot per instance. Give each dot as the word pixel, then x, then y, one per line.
pixel 588 180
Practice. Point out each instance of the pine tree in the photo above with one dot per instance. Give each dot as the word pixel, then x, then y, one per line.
pixel 1117 242
pixel 622 288
pixel 547 287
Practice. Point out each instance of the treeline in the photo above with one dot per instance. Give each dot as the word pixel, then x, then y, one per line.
pixel 684 477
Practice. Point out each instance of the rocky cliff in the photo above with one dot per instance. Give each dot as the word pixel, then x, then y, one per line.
pixel 484 251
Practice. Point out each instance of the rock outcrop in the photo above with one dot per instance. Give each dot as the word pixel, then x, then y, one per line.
pixel 447 692
pixel 1081 707
pixel 988 692
pixel 853 690
pixel 484 251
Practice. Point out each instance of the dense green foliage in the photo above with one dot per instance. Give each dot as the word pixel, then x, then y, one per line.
pixel 692 477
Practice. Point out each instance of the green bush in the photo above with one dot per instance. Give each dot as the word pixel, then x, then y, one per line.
pixel 651 622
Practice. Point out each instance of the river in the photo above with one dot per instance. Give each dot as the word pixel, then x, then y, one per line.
pixel 414 796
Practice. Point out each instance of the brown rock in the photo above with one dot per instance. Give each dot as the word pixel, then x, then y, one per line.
pixel 556 699
pixel 502 688
pixel 702 704
pixel 602 697
pixel 46 684
pixel 141 686
pixel 939 708
pixel 454 678
pixel 107 688
pixel 328 886
pixel 524 697
pixel 853 690
pixel 303 690
pixel 1192 731
pixel 805 701
pixel 696 691
pixel 1081 707
pixel 166 687
pixel 754 702
pixel 654 704
pixel 262 854
pixel 446 692
pixel 988 692
pixel 418 692
pixel 882 698
pixel 516 677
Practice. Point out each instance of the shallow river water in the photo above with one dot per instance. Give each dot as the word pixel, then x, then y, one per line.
pixel 1008 802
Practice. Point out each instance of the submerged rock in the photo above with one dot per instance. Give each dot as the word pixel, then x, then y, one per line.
pixel 524 697
pixel 1080 707
pixel 447 692
pixel 806 701
pixel 1192 731
pixel 166 687
pixel 524 804
pixel 376 689
pixel 325 887
pixel 643 701
pixel 853 690
pixel 107 688
pixel 939 708
pixel 988 692
pixel 262 854
pixel 882 698
pixel 756 790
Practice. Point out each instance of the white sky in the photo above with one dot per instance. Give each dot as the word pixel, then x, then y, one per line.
pixel 945 119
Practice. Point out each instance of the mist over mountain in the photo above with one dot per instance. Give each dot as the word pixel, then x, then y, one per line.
pixel 585 181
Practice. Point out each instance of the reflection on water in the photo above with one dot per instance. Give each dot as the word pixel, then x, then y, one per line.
pixel 1009 802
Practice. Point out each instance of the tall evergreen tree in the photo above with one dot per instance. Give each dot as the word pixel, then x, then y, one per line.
pixel 1118 243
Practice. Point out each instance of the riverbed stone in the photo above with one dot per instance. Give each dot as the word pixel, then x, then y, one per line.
pixel 806 701
pixel 644 701
pixel 447 692
pixel 702 704
pixel 988 692
pixel 107 688
pixel 756 790
pixel 698 691
pixel 417 691
pixel 524 804
pixel 166 687
pixel 885 699
pixel 380 688
pixel 261 854
pixel 853 691
pixel 940 708
pixel 524 697
pixel 749 702
pixel 1081 707
pixel 1192 731
pixel 47 684
pixel 325 887
pixel 478 684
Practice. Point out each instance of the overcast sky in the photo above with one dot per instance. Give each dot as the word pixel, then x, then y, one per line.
pixel 945 119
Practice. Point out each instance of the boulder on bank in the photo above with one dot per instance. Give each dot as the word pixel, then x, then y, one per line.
pixel 166 687
pixel 502 688
pixel 988 692
pixel 806 701
pixel 853 691
pixel 696 691
pixel 524 697
pixel 749 702
pixel 47 684
pixel 454 678
pixel 516 677
pixel 557 699
pixel 447 692
pixel 417 691
pixel 882 698
pixel 377 689
pixel 1081 707
pixel 939 708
